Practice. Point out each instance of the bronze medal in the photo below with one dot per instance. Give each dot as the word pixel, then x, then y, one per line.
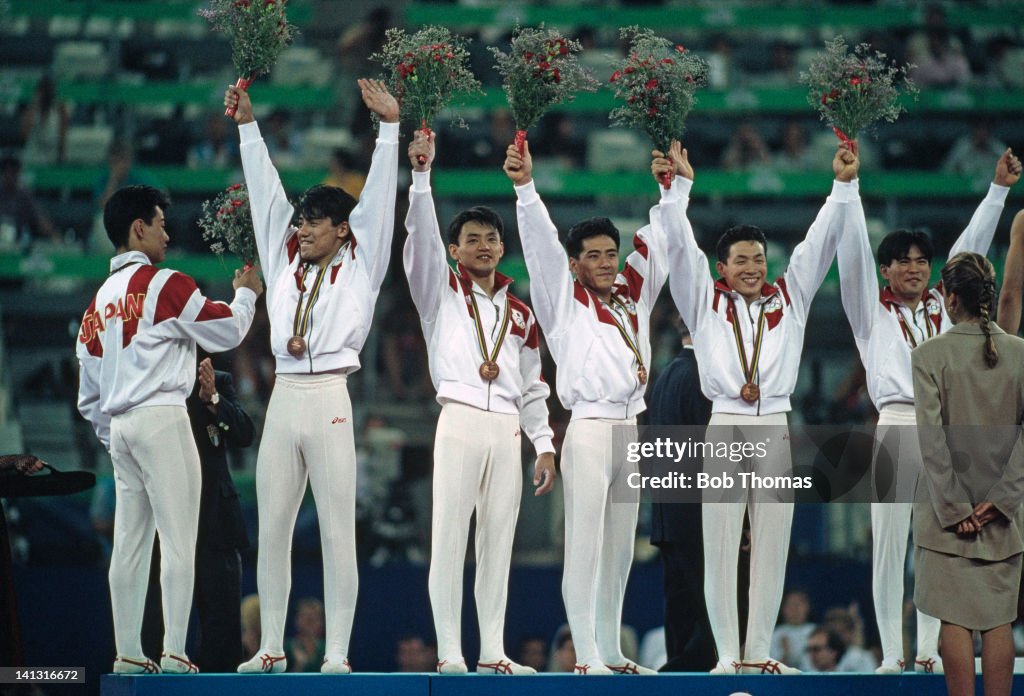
pixel 489 370
pixel 297 346
pixel 750 392
pixel 641 374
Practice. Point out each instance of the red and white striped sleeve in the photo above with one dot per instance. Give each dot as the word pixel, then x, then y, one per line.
pixel 181 311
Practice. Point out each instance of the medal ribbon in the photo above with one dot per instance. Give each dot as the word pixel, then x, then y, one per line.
pixel 301 321
pixel 481 338
pixel 906 327
pixel 633 343
pixel 748 372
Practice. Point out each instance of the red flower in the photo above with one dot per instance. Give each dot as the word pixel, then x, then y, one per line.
pixel 449 54
pixel 615 76
pixel 236 204
pixel 556 75
pixel 544 65
pixel 668 61
pixel 629 70
pixel 234 187
pixel 680 48
pixel 528 56
pixel 652 112
pixel 854 80
pixel 631 99
pixel 268 3
pixel 563 49
pixel 651 84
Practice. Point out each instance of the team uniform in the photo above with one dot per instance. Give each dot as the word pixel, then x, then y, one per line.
pixel 602 351
pixel 768 336
pixel 309 432
pixel 137 357
pixel 885 332
pixel 477 451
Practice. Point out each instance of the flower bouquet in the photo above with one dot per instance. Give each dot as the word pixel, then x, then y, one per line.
pixel 227 224
pixel 853 91
pixel 426 69
pixel 541 69
pixel 258 31
pixel 657 82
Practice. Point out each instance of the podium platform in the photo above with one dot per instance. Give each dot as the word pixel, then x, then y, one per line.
pixel 539 685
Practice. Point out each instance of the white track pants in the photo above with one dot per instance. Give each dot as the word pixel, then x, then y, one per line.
pixel 770 524
pixel 308 434
pixel 599 537
pixel 158 479
pixel 890 528
pixel 477 465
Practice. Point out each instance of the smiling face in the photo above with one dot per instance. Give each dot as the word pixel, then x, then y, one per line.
pixel 151 239
pixel 597 265
pixel 320 239
pixel 908 275
pixel 479 249
pixel 745 269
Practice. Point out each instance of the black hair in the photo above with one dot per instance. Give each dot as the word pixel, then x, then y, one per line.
pixel 972 279
pixel 739 233
pixel 129 204
pixel 896 245
pixel 478 213
pixel 832 639
pixel 585 229
pixel 324 201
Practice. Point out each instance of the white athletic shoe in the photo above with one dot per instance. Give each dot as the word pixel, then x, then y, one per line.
pixel 135 665
pixel 766 666
pixel 928 664
pixel 264 663
pixel 502 665
pixel 591 669
pixel 335 665
pixel 452 667
pixel 630 667
pixel 172 663
pixel 726 667
pixel 890 668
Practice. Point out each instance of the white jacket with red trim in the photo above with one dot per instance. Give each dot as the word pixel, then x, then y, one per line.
pixel 883 342
pixel 137 343
pixel 442 298
pixel 597 372
pixel 340 320
pixel 706 304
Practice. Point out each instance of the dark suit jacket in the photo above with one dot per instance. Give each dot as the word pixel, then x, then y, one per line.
pixel 676 399
pixel 980 455
pixel 221 526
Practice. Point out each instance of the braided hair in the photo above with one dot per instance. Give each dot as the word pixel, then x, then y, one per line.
pixel 973 279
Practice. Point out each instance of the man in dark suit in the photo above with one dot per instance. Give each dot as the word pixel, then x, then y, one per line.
pixel 218 422
pixel 676 400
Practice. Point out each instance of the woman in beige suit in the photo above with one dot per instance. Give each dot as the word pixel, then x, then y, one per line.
pixel 968 518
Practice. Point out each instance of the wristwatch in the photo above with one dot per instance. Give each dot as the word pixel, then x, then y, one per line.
pixel 214 400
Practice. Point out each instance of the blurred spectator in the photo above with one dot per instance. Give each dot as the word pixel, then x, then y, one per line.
pixel 824 651
pixel 284 142
pixel 251 633
pixel 782 71
pixel 563 653
pixel 404 355
pixel 746 150
pixel 938 54
pixel 532 651
pixel 385 519
pixel 360 40
pixel 216 148
pixel 121 171
pixel 972 154
pixel 795 154
pixel 44 125
pixel 21 219
pixel 789 640
pixel 344 174
pixel 413 654
pixel 1005 63
pixel 847 623
pixel 721 68
pixel 305 649
pixel 486 149
pixel 560 143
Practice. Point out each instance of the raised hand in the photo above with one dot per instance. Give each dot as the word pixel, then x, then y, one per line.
pixel 248 277
pixel 239 98
pixel 1008 169
pixel 681 159
pixel 519 168
pixel 207 381
pixel 379 100
pixel 422 146
pixel 845 164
